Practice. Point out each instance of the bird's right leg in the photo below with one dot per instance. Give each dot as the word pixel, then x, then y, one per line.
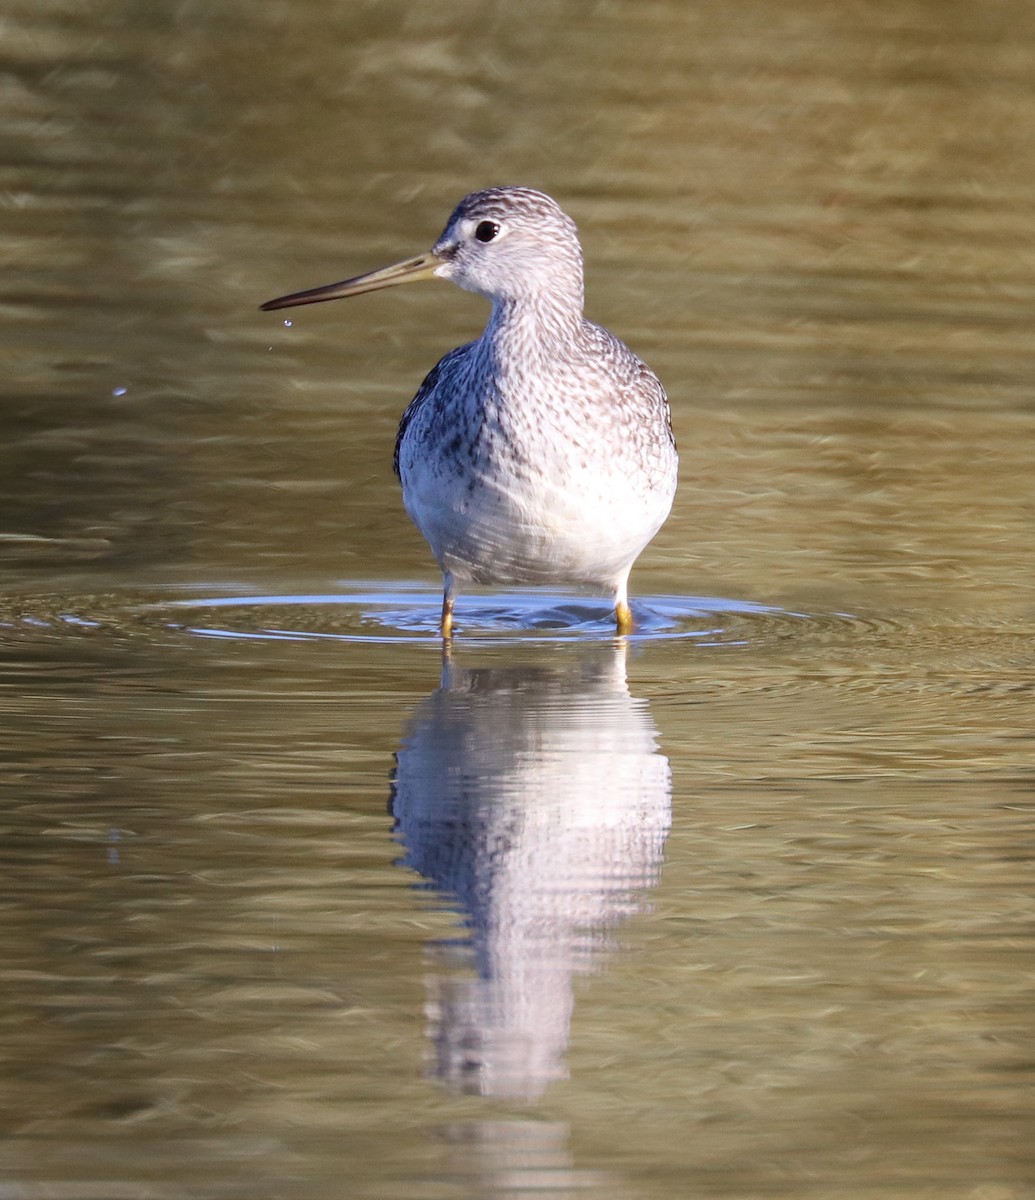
pixel 449 590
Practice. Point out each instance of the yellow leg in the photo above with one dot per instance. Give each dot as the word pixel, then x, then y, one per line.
pixel 623 614
pixel 623 617
pixel 446 627
pixel 448 597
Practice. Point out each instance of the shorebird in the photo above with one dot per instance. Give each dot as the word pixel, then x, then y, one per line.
pixel 542 452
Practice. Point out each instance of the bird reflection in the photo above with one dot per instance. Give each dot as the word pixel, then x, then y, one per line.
pixel 535 800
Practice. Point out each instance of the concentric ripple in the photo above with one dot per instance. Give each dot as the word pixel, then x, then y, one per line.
pixel 380 614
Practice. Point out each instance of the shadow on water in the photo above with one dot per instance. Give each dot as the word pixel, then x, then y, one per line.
pixel 534 801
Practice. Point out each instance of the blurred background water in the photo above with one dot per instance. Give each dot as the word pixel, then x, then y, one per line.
pixel 294 909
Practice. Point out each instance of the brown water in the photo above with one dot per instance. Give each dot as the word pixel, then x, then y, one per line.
pixel 293 909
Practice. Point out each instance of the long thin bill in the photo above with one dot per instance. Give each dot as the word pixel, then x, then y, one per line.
pixel 404 272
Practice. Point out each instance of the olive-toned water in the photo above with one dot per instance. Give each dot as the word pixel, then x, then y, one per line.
pixel 293 907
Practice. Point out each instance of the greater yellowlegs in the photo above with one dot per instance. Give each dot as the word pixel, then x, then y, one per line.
pixel 543 451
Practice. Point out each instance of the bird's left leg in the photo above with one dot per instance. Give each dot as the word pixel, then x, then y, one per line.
pixel 623 613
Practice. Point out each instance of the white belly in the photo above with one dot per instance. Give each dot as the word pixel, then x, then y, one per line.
pixel 523 466
pixel 565 523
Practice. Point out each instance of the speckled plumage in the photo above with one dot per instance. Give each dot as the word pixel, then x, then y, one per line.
pixel 542 452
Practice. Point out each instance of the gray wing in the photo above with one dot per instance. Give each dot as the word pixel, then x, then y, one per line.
pixel 424 392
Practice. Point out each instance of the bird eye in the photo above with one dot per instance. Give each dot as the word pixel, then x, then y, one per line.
pixel 486 231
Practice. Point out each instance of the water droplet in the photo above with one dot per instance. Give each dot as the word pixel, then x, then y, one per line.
pixel 119 391
pixel 288 324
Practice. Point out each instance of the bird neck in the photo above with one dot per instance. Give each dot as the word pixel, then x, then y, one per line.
pixel 545 322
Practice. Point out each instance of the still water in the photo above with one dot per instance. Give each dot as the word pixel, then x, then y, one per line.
pixel 293 906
